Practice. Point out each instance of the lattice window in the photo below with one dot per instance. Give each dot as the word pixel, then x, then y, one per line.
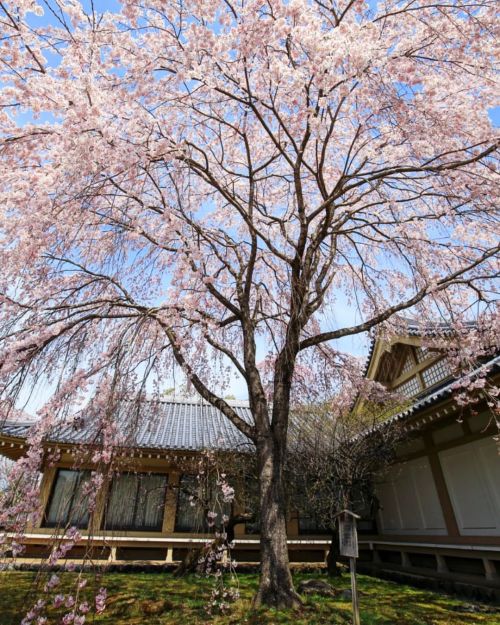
pixel 422 353
pixel 436 372
pixel 410 388
pixel 409 364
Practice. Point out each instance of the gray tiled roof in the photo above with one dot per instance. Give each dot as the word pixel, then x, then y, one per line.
pixel 181 425
pixel 15 428
pixel 195 425
pixel 417 328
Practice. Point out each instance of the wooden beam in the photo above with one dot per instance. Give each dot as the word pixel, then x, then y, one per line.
pixel 46 484
pixel 442 490
pixel 170 503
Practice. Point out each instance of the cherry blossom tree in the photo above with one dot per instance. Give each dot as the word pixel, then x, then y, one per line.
pixel 332 465
pixel 204 185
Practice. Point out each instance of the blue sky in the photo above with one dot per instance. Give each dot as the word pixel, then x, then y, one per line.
pixel 340 316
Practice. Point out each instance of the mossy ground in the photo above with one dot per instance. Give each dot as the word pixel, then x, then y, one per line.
pixel 160 599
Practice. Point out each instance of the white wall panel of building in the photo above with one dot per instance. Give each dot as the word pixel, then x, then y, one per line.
pixel 409 503
pixel 472 474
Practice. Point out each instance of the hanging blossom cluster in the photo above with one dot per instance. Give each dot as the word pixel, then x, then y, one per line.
pixel 215 496
pixel 467 349
pixel 20 500
pixel 216 561
pixel 20 506
pixel 68 608
pixel 466 354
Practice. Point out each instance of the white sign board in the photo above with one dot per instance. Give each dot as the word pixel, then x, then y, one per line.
pixel 348 536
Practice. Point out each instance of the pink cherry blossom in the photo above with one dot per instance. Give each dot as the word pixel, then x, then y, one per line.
pixel 231 193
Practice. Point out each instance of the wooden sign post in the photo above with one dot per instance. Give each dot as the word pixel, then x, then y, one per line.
pixel 348 539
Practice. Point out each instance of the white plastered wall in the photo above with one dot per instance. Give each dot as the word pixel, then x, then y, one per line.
pixel 409 503
pixel 472 474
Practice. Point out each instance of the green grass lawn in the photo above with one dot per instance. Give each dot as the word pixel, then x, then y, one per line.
pixel 160 599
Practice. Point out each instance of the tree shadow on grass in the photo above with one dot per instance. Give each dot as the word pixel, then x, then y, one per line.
pixel 160 599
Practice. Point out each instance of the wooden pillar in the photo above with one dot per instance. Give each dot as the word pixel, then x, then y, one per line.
pixel 97 518
pixel 442 567
pixel 292 524
pixel 405 560
pixel 168 526
pixel 490 569
pixel 47 481
pixel 442 490
pixel 240 529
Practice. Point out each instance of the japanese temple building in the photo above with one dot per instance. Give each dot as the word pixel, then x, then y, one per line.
pixel 439 505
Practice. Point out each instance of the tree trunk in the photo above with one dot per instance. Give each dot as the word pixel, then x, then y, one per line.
pixel 276 586
pixel 191 562
pixel 332 567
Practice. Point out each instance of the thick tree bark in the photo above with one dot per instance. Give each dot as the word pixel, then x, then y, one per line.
pixel 276 585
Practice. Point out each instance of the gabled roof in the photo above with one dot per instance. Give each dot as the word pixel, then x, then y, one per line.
pixel 429 398
pixel 172 425
pixel 413 328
